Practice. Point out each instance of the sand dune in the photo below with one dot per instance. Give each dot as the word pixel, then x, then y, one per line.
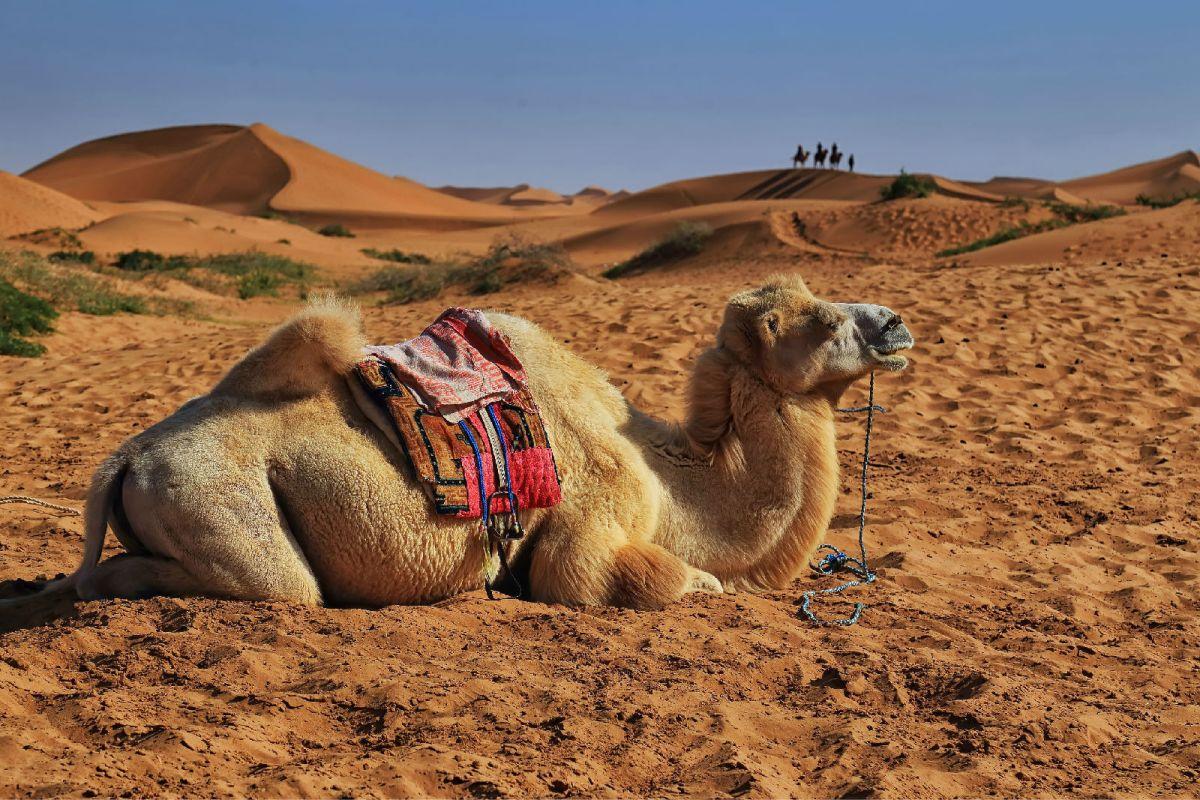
pixel 1166 233
pixel 786 184
pixel 1164 178
pixel 26 206
pixel 249 170
pixel 520 195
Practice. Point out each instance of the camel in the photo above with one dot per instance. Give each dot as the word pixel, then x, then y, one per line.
pixel 835 156
pixel 800 159
pixel 275 486
pixel 819 156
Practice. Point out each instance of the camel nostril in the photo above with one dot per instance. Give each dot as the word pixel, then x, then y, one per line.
pixel 892 323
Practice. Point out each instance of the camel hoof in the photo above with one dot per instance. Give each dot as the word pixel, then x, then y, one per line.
pixel 702 581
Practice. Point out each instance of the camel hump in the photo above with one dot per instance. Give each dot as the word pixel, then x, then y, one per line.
pixel 303 356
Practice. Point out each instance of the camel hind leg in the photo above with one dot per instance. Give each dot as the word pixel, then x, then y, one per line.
pixel 231 541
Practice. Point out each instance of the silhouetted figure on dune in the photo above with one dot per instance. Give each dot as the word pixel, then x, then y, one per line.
pixel 801 157
pixel 850 162
pixel 835 156
pixel 819 156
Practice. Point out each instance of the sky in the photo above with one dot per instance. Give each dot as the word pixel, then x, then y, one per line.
pixel 620 94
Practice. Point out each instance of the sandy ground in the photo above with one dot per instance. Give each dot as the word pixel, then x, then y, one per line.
pixel 1033 513
pixel 1034 629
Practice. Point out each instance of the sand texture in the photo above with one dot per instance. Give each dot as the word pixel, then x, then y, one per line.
pixel 1033 517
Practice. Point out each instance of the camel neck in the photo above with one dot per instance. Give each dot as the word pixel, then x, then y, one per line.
pixel 755 513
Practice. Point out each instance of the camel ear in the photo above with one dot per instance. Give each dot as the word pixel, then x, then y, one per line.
pixel 741 330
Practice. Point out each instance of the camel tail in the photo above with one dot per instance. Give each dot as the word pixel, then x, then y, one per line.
pixel 101 498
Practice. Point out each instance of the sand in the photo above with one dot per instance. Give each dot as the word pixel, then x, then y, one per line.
pixel 26 206
pixel 1033 630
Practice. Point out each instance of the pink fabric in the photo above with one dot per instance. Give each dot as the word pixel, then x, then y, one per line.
pixel 532 474
pixel 458 365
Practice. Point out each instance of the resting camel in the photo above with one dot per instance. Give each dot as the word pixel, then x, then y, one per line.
pixel 274 486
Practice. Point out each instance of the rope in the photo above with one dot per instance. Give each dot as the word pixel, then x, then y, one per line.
pixel 835 560
pixel 33 501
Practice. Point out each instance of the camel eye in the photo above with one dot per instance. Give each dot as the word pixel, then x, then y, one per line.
pixel 773 324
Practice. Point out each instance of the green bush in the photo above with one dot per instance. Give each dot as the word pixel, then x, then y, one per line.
pixel 1166 202
pixel 21 315
pixel 507 261
pixel 67 289
pixel 249 274
pixel 140 261
pixel 78 256
pixel 336 229
pixel 1076 214
pixel 1015 202
pixel 686 239
pixel 1005 235
pixel 399 256
pixel 906 185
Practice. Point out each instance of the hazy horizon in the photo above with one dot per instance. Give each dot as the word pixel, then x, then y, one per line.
pixel 623 95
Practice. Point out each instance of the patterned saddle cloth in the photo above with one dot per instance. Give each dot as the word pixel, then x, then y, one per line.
pixel 455 400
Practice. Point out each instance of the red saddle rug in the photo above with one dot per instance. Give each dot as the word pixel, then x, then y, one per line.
pixel 456 401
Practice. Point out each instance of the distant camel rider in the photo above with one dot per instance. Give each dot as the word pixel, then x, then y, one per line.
pixel 819 156
pixel 835 156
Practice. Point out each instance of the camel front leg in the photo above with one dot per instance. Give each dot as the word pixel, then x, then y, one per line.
pixel 594 561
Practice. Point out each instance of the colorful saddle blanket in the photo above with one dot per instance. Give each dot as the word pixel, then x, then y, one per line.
pixel 464 419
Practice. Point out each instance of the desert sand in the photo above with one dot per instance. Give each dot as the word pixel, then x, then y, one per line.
pixel 1032 515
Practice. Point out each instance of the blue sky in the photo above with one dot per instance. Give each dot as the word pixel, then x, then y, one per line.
pixel 624 94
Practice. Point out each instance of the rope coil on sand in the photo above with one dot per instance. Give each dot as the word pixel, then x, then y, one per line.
pixel 835 560
pixel 33 501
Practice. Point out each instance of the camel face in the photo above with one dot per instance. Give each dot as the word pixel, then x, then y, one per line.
pixel 798 342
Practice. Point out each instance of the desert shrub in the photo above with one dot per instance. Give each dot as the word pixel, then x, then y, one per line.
pixel 55 237
pixel 399 256
pixel 248 274
pixel 908 185
pixel 141 261
pixel 1166 202
pixel 1015 202
pixel 1005 235
pixel 336 229
pixel 255 273
pixel 271 213
pixel 1076 214
pixel 686 239
pixel 22 315
pixel 78 256
pixel 70 289
pixel 507 261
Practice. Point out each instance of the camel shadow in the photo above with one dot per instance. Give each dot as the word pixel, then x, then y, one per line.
pixel 22 606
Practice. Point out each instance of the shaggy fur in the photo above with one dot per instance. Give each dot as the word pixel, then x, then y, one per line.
pixel 275 487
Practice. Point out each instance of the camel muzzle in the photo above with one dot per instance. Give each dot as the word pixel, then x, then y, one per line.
pixel 883 332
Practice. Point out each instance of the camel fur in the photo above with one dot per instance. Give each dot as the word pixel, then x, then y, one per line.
pixel 275 486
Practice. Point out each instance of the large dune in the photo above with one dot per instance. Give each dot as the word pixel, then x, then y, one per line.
pixel 249 170
pixel 1164 178
pixel 783 184
pixel 26 206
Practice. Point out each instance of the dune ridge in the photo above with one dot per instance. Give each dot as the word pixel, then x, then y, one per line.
pixel 26 206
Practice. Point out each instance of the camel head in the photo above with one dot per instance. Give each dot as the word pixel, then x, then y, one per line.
pixel 799 344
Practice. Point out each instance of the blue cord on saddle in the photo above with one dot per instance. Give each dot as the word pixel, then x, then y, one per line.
pixel 835 560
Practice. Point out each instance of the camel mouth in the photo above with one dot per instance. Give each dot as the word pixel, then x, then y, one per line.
pixel 893 339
